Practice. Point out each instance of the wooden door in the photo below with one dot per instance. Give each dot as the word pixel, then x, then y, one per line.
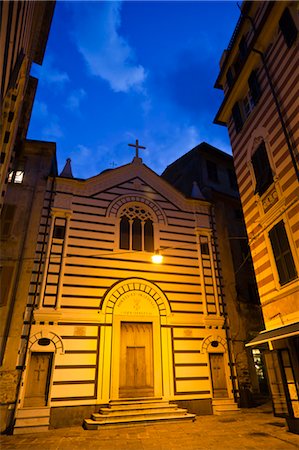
pixel 37 389
pixel 218 375
pixel 136 360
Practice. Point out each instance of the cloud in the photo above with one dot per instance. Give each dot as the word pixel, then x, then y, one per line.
pixel 74 99
pixel 52 130
pixel 41 109
pixel 48 73
pixel 107 54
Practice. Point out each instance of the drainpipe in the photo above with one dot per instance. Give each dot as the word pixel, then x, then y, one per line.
pixel 23 366
pixel 280 115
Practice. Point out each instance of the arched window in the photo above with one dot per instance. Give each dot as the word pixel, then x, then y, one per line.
pixel 124 233
pixel 136 229
pixel 148 236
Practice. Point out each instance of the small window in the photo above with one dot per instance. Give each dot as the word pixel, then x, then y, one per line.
pixel 254 87
pixel 212 171
pixel 204 248
pixel 237 117
pixel 243 48
pixel 282 253
pixel 59 232
pixel 16 176
pixel 6 137
pixel 248 105
pixel 288 28
pixel 229 77
pixel 204 245
pixel 262 169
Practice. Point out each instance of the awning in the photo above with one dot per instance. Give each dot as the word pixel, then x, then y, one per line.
pixel 277 333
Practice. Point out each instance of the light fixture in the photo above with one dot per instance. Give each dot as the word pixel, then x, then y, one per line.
pixel 157 258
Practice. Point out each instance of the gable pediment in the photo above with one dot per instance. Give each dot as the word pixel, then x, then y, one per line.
pixel 134 179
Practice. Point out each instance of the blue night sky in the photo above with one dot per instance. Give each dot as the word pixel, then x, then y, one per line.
pixel 118 71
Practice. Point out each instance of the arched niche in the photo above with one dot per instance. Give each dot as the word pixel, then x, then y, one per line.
pixel 136 297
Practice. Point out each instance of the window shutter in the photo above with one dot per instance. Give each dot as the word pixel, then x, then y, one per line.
pixel 282 253
pixel 262 169
pixel 254 87
pixel 288 28
pixel 237 117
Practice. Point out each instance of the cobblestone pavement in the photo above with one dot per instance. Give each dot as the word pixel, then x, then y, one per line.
pixel 250 429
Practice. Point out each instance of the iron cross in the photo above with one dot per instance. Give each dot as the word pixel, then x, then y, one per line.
pixel 137 147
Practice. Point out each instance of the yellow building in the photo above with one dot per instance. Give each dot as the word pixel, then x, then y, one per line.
pixel 105 326
pixel 259 76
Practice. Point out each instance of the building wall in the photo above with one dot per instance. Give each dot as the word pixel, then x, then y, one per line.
pixel 238 284
pixel 24 32
pixel 19 228
pixel 87 293
pixel 272 123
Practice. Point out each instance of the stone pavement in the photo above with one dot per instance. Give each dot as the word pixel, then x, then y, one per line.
pixel 250 429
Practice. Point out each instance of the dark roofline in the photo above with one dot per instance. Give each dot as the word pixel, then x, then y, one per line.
pixel 245 8
pixel 250 48
pixel 202 147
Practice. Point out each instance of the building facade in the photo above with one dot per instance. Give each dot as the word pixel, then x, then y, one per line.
pixel 20 221
pixel 24 29
pixel 104 324
pixel 208 173
pixel 259 76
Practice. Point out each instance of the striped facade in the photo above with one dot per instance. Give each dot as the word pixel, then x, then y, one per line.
pixel 264 116
pixel 86 293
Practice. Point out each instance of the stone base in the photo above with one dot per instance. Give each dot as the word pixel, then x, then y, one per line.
pixel 200 407
pixel 6 419
pixel 67 416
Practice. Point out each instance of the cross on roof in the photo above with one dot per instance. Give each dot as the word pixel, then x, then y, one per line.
pixel 137 147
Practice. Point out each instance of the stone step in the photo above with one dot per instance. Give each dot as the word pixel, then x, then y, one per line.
pixel 90 424
pixel 27 430
pixel 138 413
pixel 33 412
pixel 32 420
pixel 137 405
pixel 139 400
pixel 224 406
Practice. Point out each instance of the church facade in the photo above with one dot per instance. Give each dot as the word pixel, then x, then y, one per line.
pixel 103 322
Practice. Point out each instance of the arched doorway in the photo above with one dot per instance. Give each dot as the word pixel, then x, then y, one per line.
pixel 137 309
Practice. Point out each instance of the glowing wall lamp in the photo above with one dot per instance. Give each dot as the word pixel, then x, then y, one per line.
pixel 157 258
